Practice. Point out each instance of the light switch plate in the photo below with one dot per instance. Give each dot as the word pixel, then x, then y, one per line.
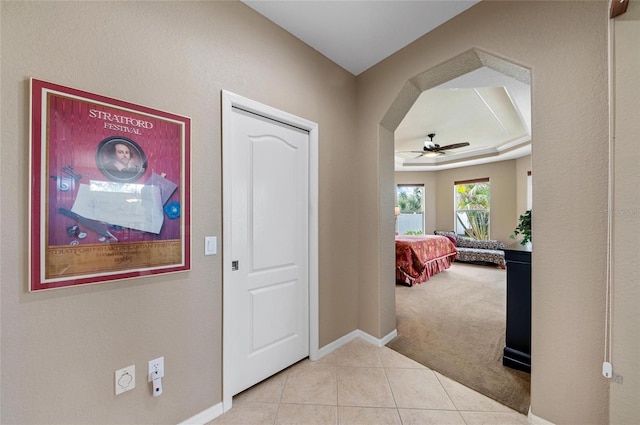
pixel 210 245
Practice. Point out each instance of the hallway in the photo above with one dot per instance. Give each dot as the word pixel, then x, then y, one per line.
pixel 362 384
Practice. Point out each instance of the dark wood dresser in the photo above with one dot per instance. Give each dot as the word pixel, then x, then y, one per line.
pixel 517 350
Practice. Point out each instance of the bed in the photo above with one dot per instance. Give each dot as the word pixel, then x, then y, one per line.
pixel 418 257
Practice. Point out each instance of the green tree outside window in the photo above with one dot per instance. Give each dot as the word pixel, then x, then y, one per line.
pixel 472 209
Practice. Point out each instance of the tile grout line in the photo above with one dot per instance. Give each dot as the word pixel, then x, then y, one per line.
pixel 384 368
pixel 284 384
pixel 448 395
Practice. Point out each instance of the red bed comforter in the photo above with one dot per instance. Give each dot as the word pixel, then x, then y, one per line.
pixel 421 256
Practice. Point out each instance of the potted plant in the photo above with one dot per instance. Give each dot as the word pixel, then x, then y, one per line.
pixel 523 228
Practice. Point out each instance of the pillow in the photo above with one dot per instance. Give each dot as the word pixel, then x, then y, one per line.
pixel 444 232
pixel 452 238
pixel 449 234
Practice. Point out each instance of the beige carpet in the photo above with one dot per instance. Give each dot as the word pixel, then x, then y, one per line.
pixel 454 323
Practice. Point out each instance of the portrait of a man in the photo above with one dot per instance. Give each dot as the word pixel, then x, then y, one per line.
pixel 121 159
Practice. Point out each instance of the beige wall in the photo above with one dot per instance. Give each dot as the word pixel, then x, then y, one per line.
pixel 626 219
pixel 523 166
pixel 565 46
pixel 60 348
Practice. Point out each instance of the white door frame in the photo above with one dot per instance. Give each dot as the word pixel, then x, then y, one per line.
pixel 229 101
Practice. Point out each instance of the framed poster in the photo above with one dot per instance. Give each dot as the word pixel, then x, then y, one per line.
pixel 110 189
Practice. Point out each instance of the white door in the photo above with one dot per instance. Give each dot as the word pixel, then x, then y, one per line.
pixel 266 255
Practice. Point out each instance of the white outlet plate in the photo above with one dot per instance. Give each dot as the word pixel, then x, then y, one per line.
pixel 157 364
pixel 125 379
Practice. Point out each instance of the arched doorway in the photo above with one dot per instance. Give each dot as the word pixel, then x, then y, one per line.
pixel 454 68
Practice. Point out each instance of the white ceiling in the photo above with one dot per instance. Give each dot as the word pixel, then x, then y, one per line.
pixel 358 34
pixel 488 109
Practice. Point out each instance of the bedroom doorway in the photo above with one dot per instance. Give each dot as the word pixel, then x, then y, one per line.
pixel 439 172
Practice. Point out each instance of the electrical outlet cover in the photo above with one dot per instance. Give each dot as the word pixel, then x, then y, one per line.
pixel 157 364
pixel 125 379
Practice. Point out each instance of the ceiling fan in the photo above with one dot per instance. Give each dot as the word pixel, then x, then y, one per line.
pixel 433 149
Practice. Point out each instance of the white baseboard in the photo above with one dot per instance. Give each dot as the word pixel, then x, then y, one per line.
pixel 205 416
pixel 333 346
pixel 214 411
pixel 375 341
pixel 536 420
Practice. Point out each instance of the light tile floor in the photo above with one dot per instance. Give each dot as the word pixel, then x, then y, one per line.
pixel 362 384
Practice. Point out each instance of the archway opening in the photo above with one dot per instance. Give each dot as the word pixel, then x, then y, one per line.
pixel 455 68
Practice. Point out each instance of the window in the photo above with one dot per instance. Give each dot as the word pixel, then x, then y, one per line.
pixel 472 201
pixel 411 204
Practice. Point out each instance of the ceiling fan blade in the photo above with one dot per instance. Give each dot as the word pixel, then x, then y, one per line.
pixel 432 153
pixel 453 146
pixel 420 152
